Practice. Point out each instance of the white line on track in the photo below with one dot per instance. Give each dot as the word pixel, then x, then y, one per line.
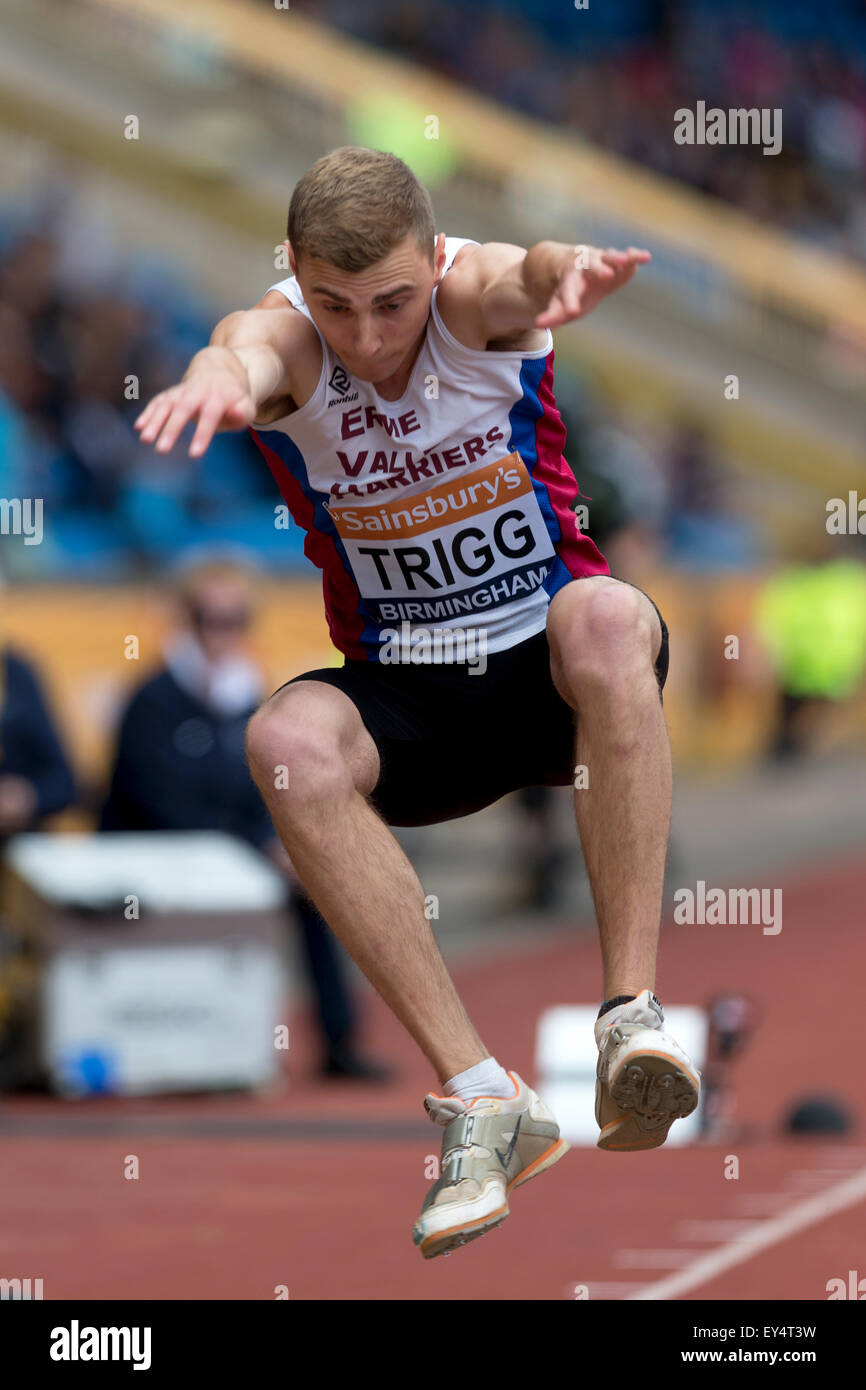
pixel 755 1204
pixel 812 1179
pixel 608 1289
pixel 652 1259
pixel 765 1234
pixel 712 1232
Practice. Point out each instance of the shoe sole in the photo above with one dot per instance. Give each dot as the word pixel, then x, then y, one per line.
pixel 654 1090
pixel 443 1242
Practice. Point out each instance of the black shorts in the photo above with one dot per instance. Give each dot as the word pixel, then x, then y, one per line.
pixel 451 742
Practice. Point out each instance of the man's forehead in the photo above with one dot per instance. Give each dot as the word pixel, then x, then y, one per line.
pixel 406 263
pixel 219 586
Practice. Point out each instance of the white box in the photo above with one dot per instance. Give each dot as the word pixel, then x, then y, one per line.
pixel 172 1018
pixel 160 960
pixel 566 1057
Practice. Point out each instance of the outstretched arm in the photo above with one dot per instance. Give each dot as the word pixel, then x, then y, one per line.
pixel 242 378
pixel 499 290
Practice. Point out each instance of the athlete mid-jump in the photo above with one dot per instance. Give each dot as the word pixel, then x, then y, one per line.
pixel 399 386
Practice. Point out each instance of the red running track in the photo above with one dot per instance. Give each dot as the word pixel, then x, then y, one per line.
pixel 222 1210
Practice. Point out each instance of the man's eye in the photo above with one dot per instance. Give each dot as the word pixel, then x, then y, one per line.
pixel 336 308
pixel 392 308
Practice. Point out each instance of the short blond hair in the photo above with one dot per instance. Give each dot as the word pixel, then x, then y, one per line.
pixel 203 565
pixel 355 205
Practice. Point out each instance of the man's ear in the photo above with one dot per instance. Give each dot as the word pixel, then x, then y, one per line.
pixel 439 258
pixel 292 262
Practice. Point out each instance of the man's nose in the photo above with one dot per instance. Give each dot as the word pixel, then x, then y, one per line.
pixel 368 339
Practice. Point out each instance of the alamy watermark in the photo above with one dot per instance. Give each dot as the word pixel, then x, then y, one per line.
pixel 22 516
pixel 25 1289
pixel 436 646
pixel 852 1288
pixel 729 906
pixel 737 126
pixel 846 517
pixel 77 1343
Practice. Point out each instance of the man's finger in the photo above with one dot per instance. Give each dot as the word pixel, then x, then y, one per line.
pixel 623 259
pixel 160 411
pixel 183 411
pixel 599 267
pixel 209 418
pixel 150 410
pixel 618 266
pixel 146 412
pixel 553 315
pixel 569 292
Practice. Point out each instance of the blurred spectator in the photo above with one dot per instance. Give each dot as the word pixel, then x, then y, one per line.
pixel 702 530
pixel 86 337
pixel 616 75
pixel 78 355
pixel 181 765
pixel 35 777
pixel 811 618
pixel 732 1022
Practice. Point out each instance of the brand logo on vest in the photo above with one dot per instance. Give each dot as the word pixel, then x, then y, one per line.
pixel 339 381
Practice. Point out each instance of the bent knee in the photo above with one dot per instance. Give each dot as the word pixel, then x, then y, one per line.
pixel 616 616
pixel 609 633
pixel 296 746
pixel 283 754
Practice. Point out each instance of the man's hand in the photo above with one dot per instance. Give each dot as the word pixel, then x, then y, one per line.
pixel 498 293
pixel 567 283
pixel 249 373
pixel 215 391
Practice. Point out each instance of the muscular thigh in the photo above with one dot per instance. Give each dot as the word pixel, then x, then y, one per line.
pixel 450 743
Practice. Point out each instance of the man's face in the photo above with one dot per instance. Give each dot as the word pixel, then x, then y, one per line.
pixel 372 319
pixel 221 614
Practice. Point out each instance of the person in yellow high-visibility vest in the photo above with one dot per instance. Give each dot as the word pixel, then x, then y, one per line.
pixel 812 621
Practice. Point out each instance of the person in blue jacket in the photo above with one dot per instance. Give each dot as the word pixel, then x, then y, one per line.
pixel 36 779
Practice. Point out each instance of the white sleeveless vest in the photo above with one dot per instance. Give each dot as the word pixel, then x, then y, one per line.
pixel 448 509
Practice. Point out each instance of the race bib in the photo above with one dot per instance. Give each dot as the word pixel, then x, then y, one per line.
pixel 470 543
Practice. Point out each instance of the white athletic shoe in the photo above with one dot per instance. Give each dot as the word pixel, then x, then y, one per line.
pixel 644 1080
pixel 490 1146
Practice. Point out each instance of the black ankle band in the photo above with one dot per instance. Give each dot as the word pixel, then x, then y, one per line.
pixel 612 1003
pixel 622 999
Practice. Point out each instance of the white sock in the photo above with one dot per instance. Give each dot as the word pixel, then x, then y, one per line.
pixel 486 1078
